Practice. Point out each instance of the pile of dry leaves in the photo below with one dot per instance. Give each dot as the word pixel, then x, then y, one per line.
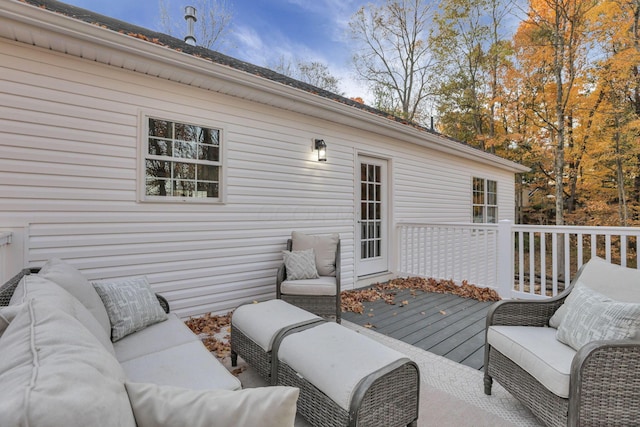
pixel 352 300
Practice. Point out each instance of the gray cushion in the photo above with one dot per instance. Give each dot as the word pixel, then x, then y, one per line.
pixel 74 282
pixel 300 264
pixel 36 286
pixel 159 336
pixel 323 285
pixel 324 246
pixel 335 359
pixel 188 365
pixel 591 316
pixel 537 351
pixel 166 406
pixel 54 372
pixel 130 303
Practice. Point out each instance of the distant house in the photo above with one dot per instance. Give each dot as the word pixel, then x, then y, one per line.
pixel 128 152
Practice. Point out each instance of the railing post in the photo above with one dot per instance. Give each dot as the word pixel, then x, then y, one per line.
pixel 505 258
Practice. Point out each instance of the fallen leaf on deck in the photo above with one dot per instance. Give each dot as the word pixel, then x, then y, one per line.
pixel 444 313
pixel 368 325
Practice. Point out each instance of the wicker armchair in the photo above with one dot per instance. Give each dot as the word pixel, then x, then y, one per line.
pixel 326 303
pixel 604 379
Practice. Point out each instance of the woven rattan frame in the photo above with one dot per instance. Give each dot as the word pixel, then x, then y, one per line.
pixel 387 398
pixel 327 306
pixel 604 378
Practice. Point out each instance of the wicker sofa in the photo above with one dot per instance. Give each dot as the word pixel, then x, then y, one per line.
pixel 64 360
pixel 592 378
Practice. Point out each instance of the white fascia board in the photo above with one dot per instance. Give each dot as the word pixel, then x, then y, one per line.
pixel 238 82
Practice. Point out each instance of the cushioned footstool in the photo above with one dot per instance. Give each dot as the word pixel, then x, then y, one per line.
pixel 256 327
pixel 347 379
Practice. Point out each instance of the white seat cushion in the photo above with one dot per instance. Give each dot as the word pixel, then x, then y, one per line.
pixel 323 285
pixel 537 351
pixel 158 336
pixel 261 322
pixel 335 359
pixel 188 365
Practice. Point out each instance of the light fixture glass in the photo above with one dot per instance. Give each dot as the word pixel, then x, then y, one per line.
pixel 322 150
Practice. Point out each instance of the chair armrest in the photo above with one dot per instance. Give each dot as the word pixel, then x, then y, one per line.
pixel 281 276
pixel 525 312
pixel 164 303
pixel 605 383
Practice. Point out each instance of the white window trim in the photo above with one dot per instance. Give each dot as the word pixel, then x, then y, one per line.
pixel 143 142
pixel 485 205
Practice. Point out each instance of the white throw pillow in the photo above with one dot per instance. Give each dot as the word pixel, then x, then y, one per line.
pixel 166 406
pixel 300 264
pixel 130 303
pixel 74 282
pixel 54 373
pixel 324 247
pixel 591 316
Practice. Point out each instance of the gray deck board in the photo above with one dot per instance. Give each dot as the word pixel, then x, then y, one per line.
pixel 446 325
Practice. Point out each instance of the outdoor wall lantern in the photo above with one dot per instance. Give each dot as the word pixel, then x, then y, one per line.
pixel 322 150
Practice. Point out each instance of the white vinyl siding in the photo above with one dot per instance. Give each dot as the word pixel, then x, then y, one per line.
pixel 70 142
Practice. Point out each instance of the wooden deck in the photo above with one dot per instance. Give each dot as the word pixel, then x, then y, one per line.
pixel 447 325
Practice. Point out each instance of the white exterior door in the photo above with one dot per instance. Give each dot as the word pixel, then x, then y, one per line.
pixel 372 217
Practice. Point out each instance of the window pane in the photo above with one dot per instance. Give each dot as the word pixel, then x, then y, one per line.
pixel 184 171
pixel 158 168
pixel 209 136
pixel 183 188
pixel 377 174
pixel 209 152
pixel 207 189
pixel 158 147
pixel 478 212
pixel 185 150
pixel 187 132
pixel 363 173
pixel 160 128
pixel 158 187
pixel 492 215
pixel 207 173
pixel 363 211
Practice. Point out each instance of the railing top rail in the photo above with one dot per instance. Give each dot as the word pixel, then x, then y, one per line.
pixel 576 229
pixel 447 225
pixel 5 237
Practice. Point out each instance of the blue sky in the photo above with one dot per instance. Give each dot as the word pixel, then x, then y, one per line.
pixel 262 31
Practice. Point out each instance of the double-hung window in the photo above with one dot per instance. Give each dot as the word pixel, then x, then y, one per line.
pixel 182 161
pixel 485 201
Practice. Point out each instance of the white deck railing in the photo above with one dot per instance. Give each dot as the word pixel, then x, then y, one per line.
pixel 519 261
pixel 5 241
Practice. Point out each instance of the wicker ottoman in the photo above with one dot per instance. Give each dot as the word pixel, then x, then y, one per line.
pixel 255 328
pixel 347 379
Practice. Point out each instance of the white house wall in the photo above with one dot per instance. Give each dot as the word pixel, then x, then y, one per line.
pixel 69 138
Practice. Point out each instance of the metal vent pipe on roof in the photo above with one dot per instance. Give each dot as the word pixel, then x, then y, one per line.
pixel 190 17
